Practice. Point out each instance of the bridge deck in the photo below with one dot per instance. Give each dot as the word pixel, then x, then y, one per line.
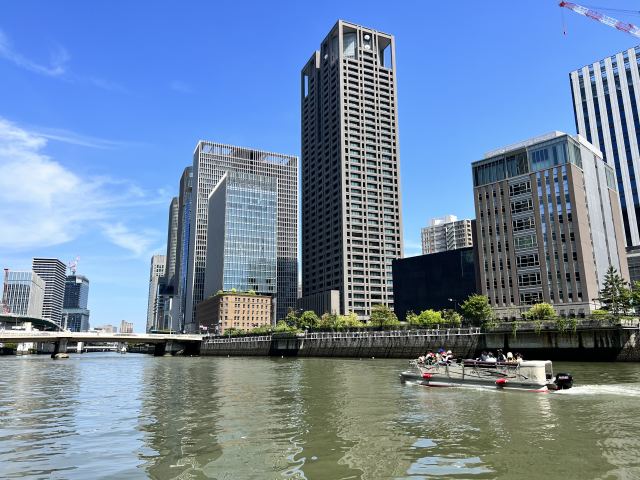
pixel 90 337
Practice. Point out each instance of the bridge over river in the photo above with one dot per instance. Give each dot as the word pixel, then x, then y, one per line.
pixel 164 342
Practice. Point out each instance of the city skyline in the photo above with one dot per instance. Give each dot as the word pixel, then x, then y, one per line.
pixel 112 169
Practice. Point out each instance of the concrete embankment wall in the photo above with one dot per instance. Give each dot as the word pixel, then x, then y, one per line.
pixel 602 344
pixel 586 344
pixel 402 344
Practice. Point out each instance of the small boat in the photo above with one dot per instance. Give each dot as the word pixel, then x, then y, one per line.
pixel 532 375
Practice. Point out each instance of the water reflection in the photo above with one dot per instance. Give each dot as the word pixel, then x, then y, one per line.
pixel 134 416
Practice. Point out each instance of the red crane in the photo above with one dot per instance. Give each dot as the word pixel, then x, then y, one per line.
pixel 630 28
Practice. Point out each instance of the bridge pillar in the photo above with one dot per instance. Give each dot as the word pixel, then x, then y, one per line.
pixel 79 346
pixel 59 347
pixel 160 349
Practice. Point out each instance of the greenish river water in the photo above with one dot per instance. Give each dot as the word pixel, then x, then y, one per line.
pixel 136 416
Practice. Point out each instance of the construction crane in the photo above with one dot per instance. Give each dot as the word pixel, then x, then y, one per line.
pixel 73 265
pixel 630 28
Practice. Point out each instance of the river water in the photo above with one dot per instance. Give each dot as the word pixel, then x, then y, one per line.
pixel 103 415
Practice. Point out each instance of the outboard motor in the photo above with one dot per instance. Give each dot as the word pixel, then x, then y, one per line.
pixel 563 381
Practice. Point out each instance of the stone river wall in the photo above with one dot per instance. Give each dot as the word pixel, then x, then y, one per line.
pixel 586 343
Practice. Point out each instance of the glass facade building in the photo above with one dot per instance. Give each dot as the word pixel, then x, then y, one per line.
pixel 23 294
pixel 242 249
pixel 211 161
pixel 548 226
pixel 606 95
pixel 75 312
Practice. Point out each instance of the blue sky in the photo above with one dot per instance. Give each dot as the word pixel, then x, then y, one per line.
pixel 102 104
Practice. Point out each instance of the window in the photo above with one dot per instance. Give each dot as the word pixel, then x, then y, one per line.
pixel 523 224
pixel 520 188
pixel 529 279
pixel 519 206
pixel 530 260
pixel 530 298
pixel 525 241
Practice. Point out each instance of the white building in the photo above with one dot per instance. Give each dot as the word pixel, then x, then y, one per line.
pixel 156 272
pixel 23 294
pixel 54 274
pixel 606 98
pixel 446 233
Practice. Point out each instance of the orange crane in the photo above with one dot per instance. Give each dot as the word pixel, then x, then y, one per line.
pixel 630 28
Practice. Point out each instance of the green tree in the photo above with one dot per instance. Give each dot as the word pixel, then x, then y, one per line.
pixel 411 318
pixel 233 332
pixel 307 319
pixel 540 311
pixel 451 317
pixel 382 316
pixel 476 310
pixel 635 296
pixel 283 326
pixel 350 320
pixel 328 320
pixel 291 319
pixel 615 295
pixel 427 318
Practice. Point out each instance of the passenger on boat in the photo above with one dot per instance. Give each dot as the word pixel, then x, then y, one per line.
pixel 510 358
pixel 490 357
pixel 519 358
pixel 501 357
pixel 484 356
pixel 429 358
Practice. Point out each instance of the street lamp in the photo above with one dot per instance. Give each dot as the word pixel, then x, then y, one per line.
pixel 455 303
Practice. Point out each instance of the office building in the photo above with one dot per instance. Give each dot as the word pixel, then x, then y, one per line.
pixel 606 95
pixel 23 294
pixel 172 241
pixel 182 253
pixel 446 233
pixel 351 223
pixel 435 281
pixel 126 327
pixel 548 226
pixel 320 303
pixel 75 312
pixel 242 235
pixel 156 274
pixel 227 310
pixel 53 272
pixel 210 162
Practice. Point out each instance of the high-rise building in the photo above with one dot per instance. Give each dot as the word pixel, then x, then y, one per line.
pixel 351 222
pixel 182 254
pixel 75 312
pixel 172 241
pixel 242 235
pixel 446 233
pixel 227 310
pixel 53 272
pixel 126 327
pixel 156 272
pixel 23 294
pixel 606 98
pixel 548 224
pixel 210 162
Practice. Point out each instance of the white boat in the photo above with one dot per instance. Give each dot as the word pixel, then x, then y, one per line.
pixel 536 375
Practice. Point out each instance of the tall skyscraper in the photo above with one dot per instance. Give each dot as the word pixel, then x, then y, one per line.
pixel 606 96
pixel 548 225
pixel 351 222
pixel 154 312
pixel 446 233
pixel 210 162
pixel 242 235
pixel 53 272
pixel 182 254
pixel 172 241
pixel 23 294
pixel 75 310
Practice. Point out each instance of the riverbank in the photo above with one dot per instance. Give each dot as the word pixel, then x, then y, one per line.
pixel 582 342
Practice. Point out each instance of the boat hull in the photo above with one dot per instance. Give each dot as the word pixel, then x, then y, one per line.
pixel 448 381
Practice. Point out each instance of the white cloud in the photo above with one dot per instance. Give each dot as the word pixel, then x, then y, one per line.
pixel 138 243
pixel 57 67
pixel 42 203
pixel 57 64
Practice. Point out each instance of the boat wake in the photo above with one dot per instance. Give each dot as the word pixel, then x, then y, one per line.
pixel 620 389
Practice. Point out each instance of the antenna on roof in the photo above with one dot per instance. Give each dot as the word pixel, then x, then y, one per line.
pixel 73 265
